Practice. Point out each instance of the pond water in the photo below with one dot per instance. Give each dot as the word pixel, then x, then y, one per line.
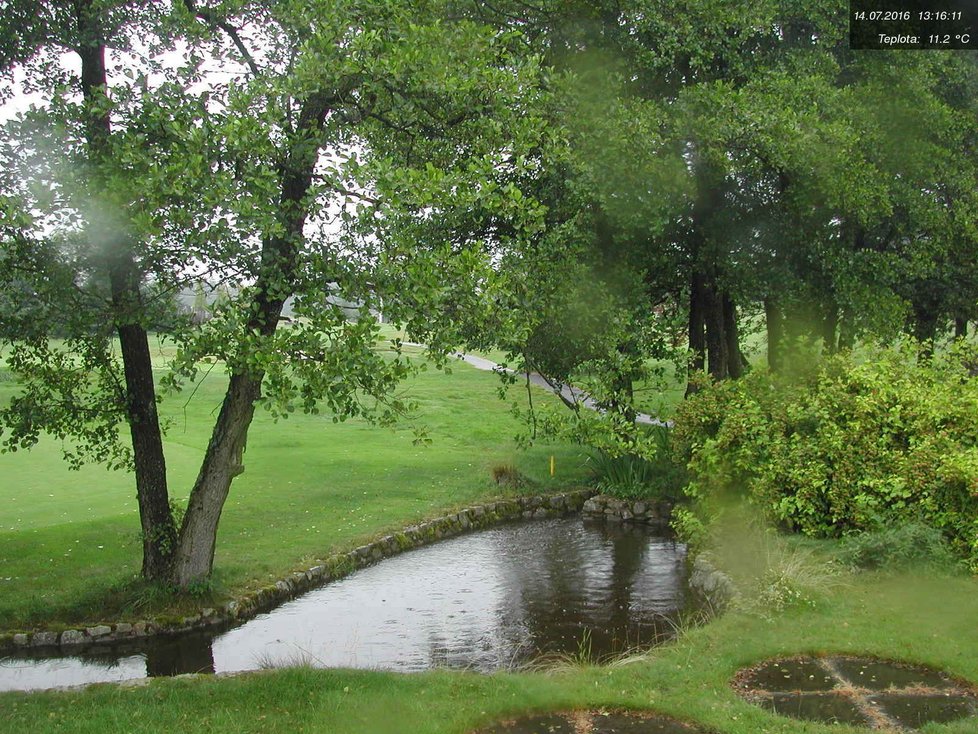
pixel 483 601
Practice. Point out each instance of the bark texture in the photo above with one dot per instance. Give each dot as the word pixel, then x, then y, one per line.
pixel 774 319
pixel 223 460
pixel 696 326
pixel 116 247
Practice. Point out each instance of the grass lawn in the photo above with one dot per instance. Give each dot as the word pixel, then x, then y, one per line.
pixel 926 618
pixel 69 550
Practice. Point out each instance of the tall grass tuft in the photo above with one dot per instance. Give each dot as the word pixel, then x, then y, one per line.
pixel 630 476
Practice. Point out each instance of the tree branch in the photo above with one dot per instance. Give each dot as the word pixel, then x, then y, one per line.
pixel 210 19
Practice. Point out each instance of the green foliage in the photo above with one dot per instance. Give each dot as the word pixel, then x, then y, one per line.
pixel 897 546
pixel 627 476
pixel 848 447
pixel 630 476
pixel 792 577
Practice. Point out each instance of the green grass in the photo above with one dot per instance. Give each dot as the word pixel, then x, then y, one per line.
pixel 923 618
pixel 69 548
pixel 312 487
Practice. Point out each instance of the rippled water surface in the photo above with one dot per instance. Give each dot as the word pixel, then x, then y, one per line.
pixel 483 601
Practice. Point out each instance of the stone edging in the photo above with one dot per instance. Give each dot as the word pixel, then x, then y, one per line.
pixel 603 507
pixel 713 588
pixel 333 568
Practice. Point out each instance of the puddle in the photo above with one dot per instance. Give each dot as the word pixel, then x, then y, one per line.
pixel 594 722
pixel 880 675
pixel 915 711
pixel 862 691
pixel 802 674
pixel 484 601
pixel 830 708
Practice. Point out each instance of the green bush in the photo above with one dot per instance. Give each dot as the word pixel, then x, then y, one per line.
pixel 897 546
pixel 630 476
pixel 851 446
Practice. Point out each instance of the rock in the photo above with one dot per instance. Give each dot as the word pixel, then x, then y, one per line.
pixel 140 629
pixel 123 628
pixel 207 613
pixel 44 639
pixel 21 640
pixel 231 609
pixel 283 586
pixel 72 637
pixel 640 508
pixel 189 621
pixel 592 505
pixel 100 630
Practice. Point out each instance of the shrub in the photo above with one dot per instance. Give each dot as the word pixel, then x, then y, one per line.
pixel 898 546
pixel 630 476
pixel 852 446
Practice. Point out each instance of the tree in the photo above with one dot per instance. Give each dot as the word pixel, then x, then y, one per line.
pixel 346 111
pixel 713 159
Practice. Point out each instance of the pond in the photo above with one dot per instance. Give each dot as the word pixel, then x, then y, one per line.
pixel 492 599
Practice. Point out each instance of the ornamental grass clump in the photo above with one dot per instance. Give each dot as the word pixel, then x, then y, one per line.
pixel 852 446
pixel 631 476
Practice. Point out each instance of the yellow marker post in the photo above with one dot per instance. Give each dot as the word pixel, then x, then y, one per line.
pixel 552 465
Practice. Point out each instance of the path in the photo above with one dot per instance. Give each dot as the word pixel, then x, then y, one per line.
pixel 567 392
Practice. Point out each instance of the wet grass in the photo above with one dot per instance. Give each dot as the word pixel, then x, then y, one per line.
pixel 312 487
pixel 69 548
pixel 923 618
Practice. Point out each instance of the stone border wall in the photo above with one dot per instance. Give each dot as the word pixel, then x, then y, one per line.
pixel 714 590
pixel 603 507
pixel 333 568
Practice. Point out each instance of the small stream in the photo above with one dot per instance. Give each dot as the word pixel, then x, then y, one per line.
pixel 484 601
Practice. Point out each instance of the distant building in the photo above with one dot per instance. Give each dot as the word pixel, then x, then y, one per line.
pixel 198 299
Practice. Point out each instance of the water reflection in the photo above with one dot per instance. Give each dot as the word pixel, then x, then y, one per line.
pixel 483 601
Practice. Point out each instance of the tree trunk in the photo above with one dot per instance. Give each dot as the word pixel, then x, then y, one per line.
pixel 624 392
pixel 960 327
pixel 194 557
pixel 736 362
pixel 774 318
pixel 716 338
pixel 156 518
pixel 925 329
pixel 113 242
pixel 696 327
pixel 829 324
pixel 847 333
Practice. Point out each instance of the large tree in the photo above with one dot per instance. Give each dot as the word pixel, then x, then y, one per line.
pixel 286 124
pixel 714 159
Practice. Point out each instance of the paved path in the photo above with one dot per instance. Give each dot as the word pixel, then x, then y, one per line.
pixel 567 392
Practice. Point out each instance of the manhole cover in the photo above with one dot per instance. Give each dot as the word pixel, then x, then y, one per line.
pixel 593 722
pixel 863 691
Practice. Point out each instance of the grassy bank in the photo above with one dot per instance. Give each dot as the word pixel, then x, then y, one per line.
pixel 69 549
pixel 925 618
